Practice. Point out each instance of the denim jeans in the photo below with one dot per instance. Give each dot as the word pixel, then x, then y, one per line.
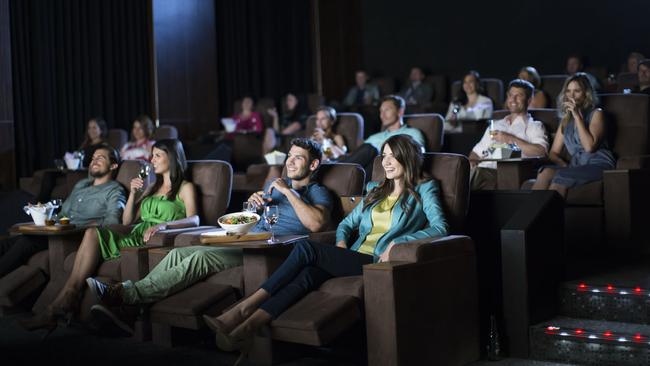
pixel 307 267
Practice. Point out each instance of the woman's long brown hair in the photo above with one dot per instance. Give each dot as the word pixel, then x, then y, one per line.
pixel 177 166
pixel 590 102
pixel 408 153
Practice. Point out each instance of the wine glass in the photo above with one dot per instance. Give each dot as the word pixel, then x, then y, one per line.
pixel 249 206
pixel 271 216
pixel 143 174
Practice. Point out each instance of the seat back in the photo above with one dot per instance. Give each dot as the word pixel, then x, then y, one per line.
pixel 552 85
pixel 431 125
pixel 451 171
pixel 547 116
pixel 440 91
pixel 165 132
pixel 117 138
pixel 345 182
pixel 349 125
pixel 262 107
pixel 626 80
pixel 492 88
pixel 628 121
pixel 213 182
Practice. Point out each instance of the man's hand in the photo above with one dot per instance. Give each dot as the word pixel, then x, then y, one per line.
pixel 281 185
pixel 257 198
pixel 152 230
pixel 503 137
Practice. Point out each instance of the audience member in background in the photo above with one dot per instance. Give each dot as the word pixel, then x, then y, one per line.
pixel 530 74
pixel 517 128
pixel 247 120
pixel 96 133
pixel 576 63
pixel 363 92
pixel 470 104
pixel 391 111
pixel 332 144
pixel 169 204
pixel 97 200
pixel 304 206
pixel 416 92
pixel 644 77
pixel 403 207
pixel 292 121
pixel 139 147
pixel 582 132
pixel 633 61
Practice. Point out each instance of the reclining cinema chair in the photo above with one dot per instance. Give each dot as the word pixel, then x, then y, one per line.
pixel 212 295
pixel 421 308
pixel 27 280
pixel 213 181
pixel 552 85
pixel 431 125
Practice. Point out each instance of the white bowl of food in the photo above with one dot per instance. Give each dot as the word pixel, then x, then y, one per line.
pixel 239 222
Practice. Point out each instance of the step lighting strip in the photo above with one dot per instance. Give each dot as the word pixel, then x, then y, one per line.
pixel 612 290
pixel 587 335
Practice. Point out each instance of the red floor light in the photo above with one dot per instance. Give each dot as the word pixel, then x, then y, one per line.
pixel 579 331
pixel 607 334
pixel 582 286
pixel 638 337
pixel 610 288
pixel 637 289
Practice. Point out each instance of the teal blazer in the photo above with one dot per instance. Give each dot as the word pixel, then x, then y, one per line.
pixel 424 220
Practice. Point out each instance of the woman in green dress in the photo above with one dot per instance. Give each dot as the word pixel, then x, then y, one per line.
pixel 170 204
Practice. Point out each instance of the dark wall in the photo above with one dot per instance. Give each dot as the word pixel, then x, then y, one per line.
pixel 186 64
pixel 73 60
pixel 497 38
pixel 8 176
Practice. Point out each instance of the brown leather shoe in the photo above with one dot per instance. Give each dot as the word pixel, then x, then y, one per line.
pixel 109 295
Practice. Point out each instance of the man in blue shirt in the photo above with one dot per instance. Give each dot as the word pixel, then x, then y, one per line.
pixel 304 206
pixel 97 200
pixel 391 112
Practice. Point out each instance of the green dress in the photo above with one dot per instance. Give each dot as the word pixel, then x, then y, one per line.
pixel 154 210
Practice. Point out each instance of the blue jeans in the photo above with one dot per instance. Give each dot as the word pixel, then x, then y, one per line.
pixel 307 267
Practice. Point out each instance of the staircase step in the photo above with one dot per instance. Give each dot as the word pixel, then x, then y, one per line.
pixel 518 362
pixel 591 342
pixel 605 301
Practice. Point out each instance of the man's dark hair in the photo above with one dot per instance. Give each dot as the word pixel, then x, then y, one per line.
pixel 398 101
pixel 645 62
pixel 313 148
pixel 331 112
pixel 113 155
pixel 523 84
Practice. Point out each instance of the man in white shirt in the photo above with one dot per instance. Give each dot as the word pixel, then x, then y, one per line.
pixel 517 128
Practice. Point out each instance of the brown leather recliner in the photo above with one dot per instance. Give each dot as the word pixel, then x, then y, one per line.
pixel 117 138
pixel 348 125
pixel 165 132
pixel 421 308
pixel 212 179
pixel 431 125
pixel 211 296
pixel 493 89
pixel 552 85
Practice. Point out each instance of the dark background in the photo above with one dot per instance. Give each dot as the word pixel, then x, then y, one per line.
pixel 186 61
pixel 499 37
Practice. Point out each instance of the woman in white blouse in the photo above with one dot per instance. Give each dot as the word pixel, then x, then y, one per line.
pixel 470 105
pixel 139 148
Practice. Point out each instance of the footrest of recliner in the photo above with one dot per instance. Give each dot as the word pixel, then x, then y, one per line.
pixel 19 284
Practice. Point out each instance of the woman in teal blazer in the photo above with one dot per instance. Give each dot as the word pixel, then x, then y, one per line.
pixel 403 207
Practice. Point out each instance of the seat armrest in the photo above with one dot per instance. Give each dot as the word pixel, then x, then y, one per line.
pixel 411 305
pixel 430 248
pixel 633 162
pixel 134 264
pixel 511 174
pixel 166 238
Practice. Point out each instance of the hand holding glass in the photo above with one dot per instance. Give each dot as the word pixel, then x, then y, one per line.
pixel 271 216
pixel 143 174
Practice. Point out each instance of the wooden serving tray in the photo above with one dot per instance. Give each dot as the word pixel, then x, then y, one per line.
pixel 32 228
pixel 217 237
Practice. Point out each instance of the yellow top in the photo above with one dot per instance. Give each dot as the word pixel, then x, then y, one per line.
pixel 382 215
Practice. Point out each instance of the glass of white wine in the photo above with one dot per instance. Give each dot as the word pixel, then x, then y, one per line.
pixel 271 216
